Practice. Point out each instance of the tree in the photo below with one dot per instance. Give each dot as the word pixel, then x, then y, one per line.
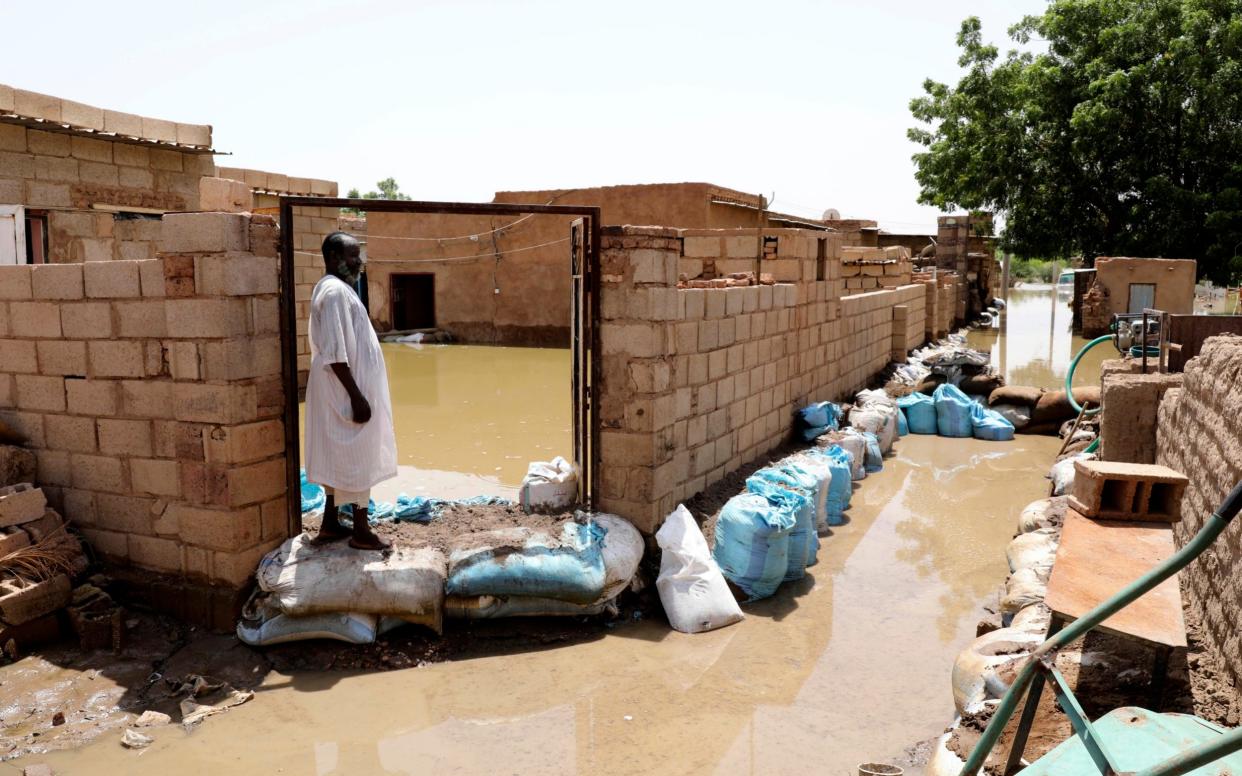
pixel 1122 137
pixel 387 189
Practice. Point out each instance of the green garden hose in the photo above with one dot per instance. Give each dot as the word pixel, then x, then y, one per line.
pixel 1069 376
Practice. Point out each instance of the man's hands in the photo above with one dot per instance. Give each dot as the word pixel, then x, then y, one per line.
pixel 358 404
pixel 361 408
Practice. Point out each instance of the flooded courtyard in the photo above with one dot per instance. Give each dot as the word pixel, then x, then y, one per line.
pixel 848 665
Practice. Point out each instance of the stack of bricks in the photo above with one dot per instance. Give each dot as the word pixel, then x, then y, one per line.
pixel 151 394
pixel 699 381
pixel 26 521
pixel 871 269
pixel 1200 433
pixel 964 245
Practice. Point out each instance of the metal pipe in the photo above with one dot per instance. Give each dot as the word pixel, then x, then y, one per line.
pixel 1211 529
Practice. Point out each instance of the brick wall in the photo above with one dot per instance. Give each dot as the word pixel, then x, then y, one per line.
pixel 700 381
pixel 1200 435
pixel 70 176
pixel 151 393
pixel 871 269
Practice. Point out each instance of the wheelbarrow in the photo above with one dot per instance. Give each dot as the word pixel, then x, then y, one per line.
pixel 1128 741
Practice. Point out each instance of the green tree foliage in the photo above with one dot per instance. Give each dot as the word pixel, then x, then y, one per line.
pixel 1122 136
pixel 385 189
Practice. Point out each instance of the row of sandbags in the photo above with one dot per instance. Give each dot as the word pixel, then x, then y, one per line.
pixel 307 590
pixel 1039 411
pixel 951 413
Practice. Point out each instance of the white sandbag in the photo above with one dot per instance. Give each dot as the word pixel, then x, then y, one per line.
pixel 943 760
pixel 691 587
pixel 856 446
pixel 1017 414
pixel 878 419
pixel 1062 473
pixel 623 551
pixel 304 579
pixel 1035 515
pixel 821 469
pixel 1024 588
pixel 984 669
pixel 1033 550
pixel 351 628
pixel 549 485
pixel 1033 619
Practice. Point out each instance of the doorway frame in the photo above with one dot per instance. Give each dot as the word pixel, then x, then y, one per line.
pixel 587 431
pixel 392 294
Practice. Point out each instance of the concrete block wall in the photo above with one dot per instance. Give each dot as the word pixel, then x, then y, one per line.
pixel 870 269
pixel 150 391
pixel 1199 434
pixel 310 226
pixel 698 382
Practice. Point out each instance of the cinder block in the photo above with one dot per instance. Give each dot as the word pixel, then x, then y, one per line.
pixel 155 477
pixel 12 539
pixel 112 279
pixel 62 357
pixel 124 437
pixel 1109 490
pixel 18 356
pixel 224 195
pixel 20 504
pixel 21 603
pixel 207 317
pixel 236 274
pixel 40 393
pixel 34 319
pixel 56 281
pixel 219 529
pixel 204 233
pixel 116 358
pixel 89 320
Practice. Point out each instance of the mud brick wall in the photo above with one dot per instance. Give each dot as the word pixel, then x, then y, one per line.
pixel 1200 435
pixel 698 382
pixel 1128 428
pixel 151 393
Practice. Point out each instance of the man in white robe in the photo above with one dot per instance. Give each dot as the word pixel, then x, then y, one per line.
pixel 350 445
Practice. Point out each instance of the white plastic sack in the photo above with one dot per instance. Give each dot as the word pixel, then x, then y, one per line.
pixel 691 587
pixel 1017 414
pixel 549 485
pixel 1025 587
pixel 1035 515
pixel 623 551
pixel 305 579
pixel 878 419
pixel 1062 473
pixel 984 669
pixel 1037 549
pixel 281 628
pixel 877 397
pixel 856 446
pixel 818 466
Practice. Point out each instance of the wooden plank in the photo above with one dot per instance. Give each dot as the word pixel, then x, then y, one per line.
pixel 1097 558
pixel 1190 331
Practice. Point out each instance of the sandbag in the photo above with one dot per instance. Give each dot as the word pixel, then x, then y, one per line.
pixel 1054 406
pixel 1021 395
pixel 692 590
pixel 305 579
pixel 622 552
pixel 490 607
pixel 1036 549
pixel 903 427
pixel 930 383
pixel 522 561
pixel 988 424
pixel 875 397
pixel 837 491
pixel 984 669
pixel 854 446
pixel 817 419
pixel 1041 513
pixel 351 628
pixel 920 412
pixel 549 485
pixel 1018 415
pixel 1025 587
pixel 752 543
pixel 983 384
pixel 785 487
pixel 879 420
pixel 821 469
pixel 1062 473
pixel 1044 429
pixel 953 410
pixel 871 457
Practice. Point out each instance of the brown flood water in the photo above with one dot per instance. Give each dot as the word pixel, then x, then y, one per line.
pixel 851 664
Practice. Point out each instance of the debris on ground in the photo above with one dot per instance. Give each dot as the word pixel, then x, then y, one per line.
pixel 132 739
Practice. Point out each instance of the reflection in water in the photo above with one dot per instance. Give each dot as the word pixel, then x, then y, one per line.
pixel 849 665
pixel 469 418
pixel 1032 343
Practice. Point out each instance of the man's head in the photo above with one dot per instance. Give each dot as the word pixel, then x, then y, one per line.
pixel 342 256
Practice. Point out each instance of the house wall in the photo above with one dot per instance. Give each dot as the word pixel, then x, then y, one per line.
pixel 1200 435
pixel 1174 280
pixel 699 381
pixel 522 296
pixel 150 391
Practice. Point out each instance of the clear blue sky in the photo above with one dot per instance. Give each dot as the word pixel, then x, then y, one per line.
pixel 457 100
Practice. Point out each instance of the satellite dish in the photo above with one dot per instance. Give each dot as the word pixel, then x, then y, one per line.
pixel 832 214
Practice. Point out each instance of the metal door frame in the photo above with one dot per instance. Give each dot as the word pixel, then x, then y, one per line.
pixel 584 334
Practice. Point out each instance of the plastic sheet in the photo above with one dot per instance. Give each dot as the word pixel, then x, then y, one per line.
pixel 1018 415
pixel 817 419
pixel 989 425
pixel 953 411
pixel 752 543
pixel 313 496
pixel 920 412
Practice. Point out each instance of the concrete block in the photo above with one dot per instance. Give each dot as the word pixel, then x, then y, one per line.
pixel 227 530
pixel 18 356
pixel 207 317
pixel 62 357
pixel 112 279
pixel 34 319
pixel 12 539
pixel 205 233
pixel 155 477
pixel 224 195
pixel 244 443
pixel 1110 490
pixel 90 320
pixel 56 281
pixel 124 437
pixel 116 358
pixel 20 504
pixel 69 432
pixel 154 553
pixel 40 393
pixel 22 603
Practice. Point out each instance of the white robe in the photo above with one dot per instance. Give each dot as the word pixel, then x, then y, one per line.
pixel 340 453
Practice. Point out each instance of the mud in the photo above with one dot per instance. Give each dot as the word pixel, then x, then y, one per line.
pixel 447 530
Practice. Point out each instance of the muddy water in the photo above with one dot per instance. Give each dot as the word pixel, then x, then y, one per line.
pixel 469 418
pixel 1032 343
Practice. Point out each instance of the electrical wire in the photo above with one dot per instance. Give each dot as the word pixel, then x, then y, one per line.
pixel 475 236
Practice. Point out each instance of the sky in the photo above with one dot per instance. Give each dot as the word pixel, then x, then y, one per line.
pixel 803 102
